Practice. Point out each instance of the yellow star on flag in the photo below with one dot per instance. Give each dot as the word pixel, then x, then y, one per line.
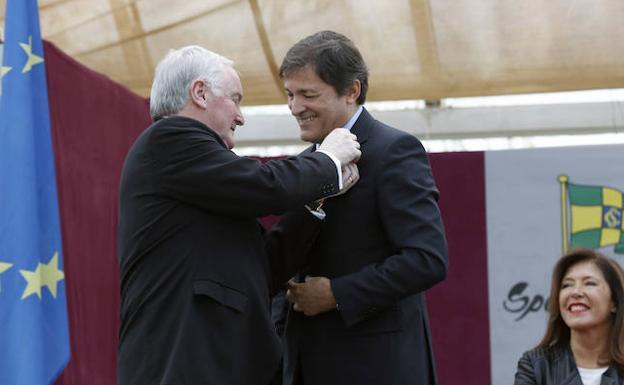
pixel 4 267
pixel 3 71
pixel 32 58
pixel 44 275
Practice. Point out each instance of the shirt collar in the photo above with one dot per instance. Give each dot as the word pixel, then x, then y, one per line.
pixel 355 116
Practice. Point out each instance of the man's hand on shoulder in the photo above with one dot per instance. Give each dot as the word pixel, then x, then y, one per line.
pixel 343 145
pixel 312 297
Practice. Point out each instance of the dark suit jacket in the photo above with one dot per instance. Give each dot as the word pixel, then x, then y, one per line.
pixel 556 366
pixel 382 245
pixel 195 272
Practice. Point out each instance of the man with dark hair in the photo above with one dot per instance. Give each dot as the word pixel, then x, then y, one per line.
pixel 359 314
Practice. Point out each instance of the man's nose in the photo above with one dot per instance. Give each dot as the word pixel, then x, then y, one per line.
pixel 240 119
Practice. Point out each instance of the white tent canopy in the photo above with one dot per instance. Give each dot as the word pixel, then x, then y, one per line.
pixel 416 49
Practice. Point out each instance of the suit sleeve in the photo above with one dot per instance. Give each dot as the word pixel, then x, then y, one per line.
pixel 194 168
pixel 525 375
pixel 411 219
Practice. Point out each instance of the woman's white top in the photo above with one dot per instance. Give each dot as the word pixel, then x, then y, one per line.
pixel 591 376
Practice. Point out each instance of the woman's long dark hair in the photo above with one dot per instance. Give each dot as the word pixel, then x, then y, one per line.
pixel 558 333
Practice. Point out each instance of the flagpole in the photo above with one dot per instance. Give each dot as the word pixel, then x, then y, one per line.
pixel 563 181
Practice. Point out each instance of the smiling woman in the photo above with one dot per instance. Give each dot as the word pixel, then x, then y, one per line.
pixel 584 340
pixel 585 299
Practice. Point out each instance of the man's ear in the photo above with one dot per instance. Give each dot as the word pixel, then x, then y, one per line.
pixel 353 92
pixel 199 93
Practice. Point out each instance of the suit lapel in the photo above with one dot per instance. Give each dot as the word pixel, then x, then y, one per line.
pixel 574 378
pixel 363 126
pixel 610 377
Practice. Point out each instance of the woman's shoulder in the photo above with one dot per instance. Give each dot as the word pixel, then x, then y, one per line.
pixel 543 365
pixel 547 353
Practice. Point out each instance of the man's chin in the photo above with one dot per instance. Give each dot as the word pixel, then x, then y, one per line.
pixel 229 143
pixel 308 137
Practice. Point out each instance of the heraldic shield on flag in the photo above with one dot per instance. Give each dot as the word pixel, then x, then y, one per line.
pixel 595 216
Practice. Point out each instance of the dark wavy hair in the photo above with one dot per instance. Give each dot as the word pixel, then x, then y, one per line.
pixel 558 333
pixel 334 57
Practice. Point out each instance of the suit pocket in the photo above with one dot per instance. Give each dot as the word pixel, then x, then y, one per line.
pixel 222 294
pixel 386 320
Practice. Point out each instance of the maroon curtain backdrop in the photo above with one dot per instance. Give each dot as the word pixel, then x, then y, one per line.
pixel 458 307
pixel 94 121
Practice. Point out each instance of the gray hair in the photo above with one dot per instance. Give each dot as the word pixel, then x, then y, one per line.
pixel 176 73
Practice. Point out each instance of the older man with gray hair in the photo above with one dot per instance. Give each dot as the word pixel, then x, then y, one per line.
pixel 196 267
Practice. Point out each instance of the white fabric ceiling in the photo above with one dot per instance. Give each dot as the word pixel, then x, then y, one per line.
pixel 415 49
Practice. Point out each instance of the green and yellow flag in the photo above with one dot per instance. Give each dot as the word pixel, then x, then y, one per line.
pixel 595 216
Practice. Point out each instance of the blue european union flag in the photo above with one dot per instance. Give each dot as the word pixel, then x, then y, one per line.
pixel 34 337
